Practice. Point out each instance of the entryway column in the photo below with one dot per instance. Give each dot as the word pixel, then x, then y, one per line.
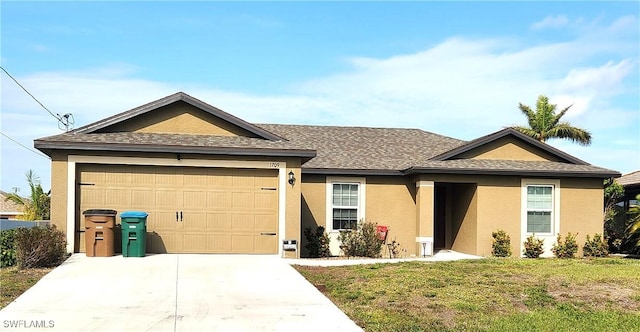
pixel 424 217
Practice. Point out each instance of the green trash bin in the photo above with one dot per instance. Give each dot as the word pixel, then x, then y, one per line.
pixel 134 233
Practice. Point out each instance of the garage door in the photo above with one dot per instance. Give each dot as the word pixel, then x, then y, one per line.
pixel 191 210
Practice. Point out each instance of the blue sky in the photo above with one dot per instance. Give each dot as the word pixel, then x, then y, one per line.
pixel 454 68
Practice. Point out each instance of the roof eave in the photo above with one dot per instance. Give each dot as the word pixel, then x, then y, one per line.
pixel 46 147
pixel 533 173
pixel 345 171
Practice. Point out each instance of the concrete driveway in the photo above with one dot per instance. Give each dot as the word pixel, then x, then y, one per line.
pixel 174 293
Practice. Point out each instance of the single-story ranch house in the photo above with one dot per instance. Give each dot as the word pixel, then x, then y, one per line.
pixel 214 183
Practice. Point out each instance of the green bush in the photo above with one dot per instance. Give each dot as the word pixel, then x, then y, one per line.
pixel 8 248
pixel 595 248
pixel 533 247
pixel 501 244
pixel 40 247
pixel 566 249
pixel 317 242
pixel 361 242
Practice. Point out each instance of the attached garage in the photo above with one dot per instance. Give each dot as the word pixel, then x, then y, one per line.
pixel 209 181
pixel 191 209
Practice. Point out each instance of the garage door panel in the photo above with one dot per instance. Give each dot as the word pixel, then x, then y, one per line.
pixel 117 197
pixel 219 221
pixel 264 243
pixel 195 242
pixel 264 200
pixel 194 199
pixel 218 243
pixel 265 223
pixel 166 198
pixel 242 201
pixel 195 221
pixel 219 200
pixel 141 198
pixel 223 210
pixel 162 220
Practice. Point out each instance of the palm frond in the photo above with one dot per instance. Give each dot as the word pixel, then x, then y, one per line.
pixel 567 131
pixel 527 131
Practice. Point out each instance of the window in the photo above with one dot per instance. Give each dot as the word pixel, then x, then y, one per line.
pixel 540 208
pixel 345 205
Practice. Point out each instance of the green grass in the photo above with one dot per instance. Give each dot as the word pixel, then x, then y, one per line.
pixel 14 282
pixel 487 295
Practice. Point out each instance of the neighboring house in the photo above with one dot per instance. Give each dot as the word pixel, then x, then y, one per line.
pixel 214 183
pixel 631 184
pixel 9 209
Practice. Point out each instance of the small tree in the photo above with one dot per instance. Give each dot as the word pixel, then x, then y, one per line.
pixel 633 230
pixel 38 205
pixel 615 223
pixel 501 244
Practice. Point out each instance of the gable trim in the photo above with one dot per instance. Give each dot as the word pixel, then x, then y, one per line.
pixel 451 154
pixel 179 96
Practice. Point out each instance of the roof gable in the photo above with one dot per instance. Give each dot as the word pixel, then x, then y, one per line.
pixel 178 114
pixel 508 144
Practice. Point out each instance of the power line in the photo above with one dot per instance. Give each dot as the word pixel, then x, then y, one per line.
pixel 24 146
pixel 29 93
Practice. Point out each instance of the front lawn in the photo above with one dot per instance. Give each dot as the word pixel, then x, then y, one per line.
pixel 487 294
pixel 14 282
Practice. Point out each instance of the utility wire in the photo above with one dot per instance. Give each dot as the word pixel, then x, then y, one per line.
pixel 24 146
pixel 29 93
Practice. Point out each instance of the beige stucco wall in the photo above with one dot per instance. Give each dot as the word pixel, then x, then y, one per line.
pixel 499 207
pixel 390 202
pixel 59 191
pixel 508 148
pixel 581 208
pixel 179 118
pixel 293 230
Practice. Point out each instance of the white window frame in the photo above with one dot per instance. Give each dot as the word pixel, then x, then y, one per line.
pixel 549 238
pixel 361 182
pixel 549 210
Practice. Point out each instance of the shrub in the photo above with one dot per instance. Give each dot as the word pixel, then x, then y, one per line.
pixel 317 242
pixel 361 242
pixel 595 248
pixel 568 249
pixel 501 244
pixel 8 248
pixel 40 247
pixel 533 247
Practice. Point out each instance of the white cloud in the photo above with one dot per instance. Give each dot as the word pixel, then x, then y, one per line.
pixel 556 21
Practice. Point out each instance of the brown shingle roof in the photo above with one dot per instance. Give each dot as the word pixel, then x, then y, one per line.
pixel 173 143
pixel 631 179
pixel 362 148
pixel 520 167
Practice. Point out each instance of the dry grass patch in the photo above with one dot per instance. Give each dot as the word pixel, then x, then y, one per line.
pixel 483 294
pixel 14 282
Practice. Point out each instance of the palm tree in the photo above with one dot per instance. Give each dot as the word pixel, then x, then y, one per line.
pixel 38 205
pixel 544 123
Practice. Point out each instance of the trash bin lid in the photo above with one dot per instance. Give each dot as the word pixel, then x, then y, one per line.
pixel 133 214
pixel 100 212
